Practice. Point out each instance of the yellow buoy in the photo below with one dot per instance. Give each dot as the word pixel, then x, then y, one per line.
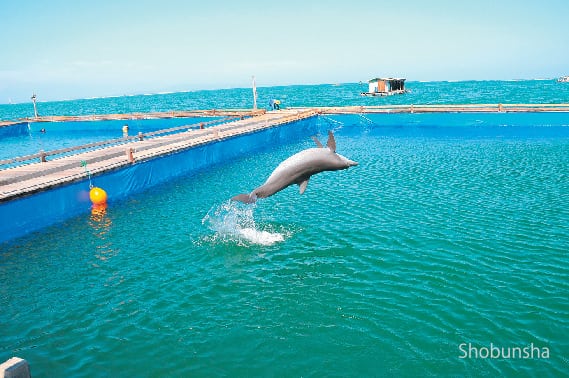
pixel 97 196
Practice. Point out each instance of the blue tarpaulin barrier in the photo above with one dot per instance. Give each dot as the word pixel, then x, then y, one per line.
pixel 32 213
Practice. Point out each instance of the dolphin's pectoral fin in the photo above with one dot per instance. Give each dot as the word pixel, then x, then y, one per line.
pixel 331 144
pixel 303 185
pixel 245 198
pixel 317 142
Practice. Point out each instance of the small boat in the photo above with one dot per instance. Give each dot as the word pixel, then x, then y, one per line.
pixel 385 87
pixel 563 79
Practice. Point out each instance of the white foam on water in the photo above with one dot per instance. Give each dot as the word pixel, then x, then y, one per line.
pixel 234 222
pixel 261 237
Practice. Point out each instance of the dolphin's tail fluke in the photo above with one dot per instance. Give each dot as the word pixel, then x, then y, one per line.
pixel 245 198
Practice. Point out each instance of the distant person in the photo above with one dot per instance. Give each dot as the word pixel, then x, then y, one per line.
pixel 42 130
pixel 275 104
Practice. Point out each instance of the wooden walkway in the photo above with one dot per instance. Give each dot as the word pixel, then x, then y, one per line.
pixel 465 108
pixel 28 179
pixel 31 178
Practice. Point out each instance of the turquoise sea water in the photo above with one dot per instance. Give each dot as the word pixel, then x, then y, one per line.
pixel 465 92
pixel 443 236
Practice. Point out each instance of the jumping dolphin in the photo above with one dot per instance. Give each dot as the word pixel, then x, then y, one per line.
pixel 298 169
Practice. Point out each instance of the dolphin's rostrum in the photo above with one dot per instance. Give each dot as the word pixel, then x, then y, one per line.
pixel 298 169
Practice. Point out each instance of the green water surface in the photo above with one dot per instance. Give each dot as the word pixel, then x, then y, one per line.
pixel 384 269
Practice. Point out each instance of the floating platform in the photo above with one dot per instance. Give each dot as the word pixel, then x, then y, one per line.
pixel 382 94
pixel 459 108
pixel 47 170
pixel 45 173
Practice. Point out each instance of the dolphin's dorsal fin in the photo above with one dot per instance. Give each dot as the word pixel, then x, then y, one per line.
pixel 303 185
pixel 317 142
pixel 331 144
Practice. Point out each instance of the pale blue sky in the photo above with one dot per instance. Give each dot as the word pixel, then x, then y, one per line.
pixel 83 48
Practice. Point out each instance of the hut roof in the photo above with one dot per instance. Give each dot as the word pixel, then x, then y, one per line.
pixel 385 79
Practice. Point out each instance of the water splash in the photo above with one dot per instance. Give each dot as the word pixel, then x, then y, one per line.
pixel 234 222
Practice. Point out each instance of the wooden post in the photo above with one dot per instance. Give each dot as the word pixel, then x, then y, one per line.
pixel 254 94
pixel 129 154
pixel 15 367
pixel 35 107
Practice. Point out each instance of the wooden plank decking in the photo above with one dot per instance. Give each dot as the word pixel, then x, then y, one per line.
pixel 28 179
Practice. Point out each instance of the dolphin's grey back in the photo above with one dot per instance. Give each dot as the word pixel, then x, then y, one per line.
pixel 298 169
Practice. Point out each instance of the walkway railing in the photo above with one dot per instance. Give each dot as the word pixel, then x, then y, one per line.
pixel 436 108
pixel 43 155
